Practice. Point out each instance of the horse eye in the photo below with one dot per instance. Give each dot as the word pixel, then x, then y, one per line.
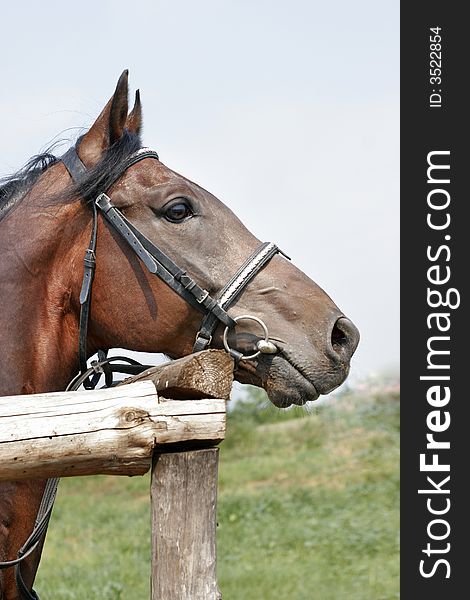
pixel 178 212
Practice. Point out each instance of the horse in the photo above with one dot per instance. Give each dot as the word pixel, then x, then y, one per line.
pixel 48 211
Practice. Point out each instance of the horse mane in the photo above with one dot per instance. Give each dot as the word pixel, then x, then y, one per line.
pixel 14 187
pixel 107 170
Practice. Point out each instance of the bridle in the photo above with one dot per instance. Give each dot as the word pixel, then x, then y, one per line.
pixel 159 264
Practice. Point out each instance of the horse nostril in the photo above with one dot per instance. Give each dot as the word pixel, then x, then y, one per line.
pixel 338 337
pixel 344 337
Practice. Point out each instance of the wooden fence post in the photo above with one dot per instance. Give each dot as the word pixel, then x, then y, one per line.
pixel 184 502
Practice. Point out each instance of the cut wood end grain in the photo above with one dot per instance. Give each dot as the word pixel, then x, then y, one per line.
pixel 206 374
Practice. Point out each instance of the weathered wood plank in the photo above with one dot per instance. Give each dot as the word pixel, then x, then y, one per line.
pixel 107 431
pixel 207 374
pixel 184 498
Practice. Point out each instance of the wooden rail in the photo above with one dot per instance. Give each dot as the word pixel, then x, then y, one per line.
pixel 112 431
pixel 123 431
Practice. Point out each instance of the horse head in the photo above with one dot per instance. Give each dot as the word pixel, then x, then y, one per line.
pixel 133 309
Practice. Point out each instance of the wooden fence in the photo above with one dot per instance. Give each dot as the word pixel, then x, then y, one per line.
pixel 142 424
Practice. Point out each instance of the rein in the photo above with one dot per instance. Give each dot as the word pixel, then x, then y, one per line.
pixel 161 265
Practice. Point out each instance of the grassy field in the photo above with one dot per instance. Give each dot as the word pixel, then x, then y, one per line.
pixel 308 510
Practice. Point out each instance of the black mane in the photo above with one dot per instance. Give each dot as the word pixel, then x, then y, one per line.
pixel 95 180
pixel 14 187
pixel 103 174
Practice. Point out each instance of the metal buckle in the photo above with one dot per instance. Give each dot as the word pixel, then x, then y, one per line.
pixel 89 259
pixel 91 253
pixel 201 337
pixel 264 346
pixel 103 202
pixel 96 366
pixel 203 297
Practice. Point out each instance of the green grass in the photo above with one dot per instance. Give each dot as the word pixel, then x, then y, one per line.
pixel 308 509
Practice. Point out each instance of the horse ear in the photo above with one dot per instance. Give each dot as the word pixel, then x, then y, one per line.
pixel 134 120
pixel 119 107
pixel 108 127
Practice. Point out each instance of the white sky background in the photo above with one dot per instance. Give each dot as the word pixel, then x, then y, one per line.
pixel 287 111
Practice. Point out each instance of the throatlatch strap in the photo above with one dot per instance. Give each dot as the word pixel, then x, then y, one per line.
pixel 89 265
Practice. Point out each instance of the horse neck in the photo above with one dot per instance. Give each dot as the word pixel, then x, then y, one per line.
pixel 41 244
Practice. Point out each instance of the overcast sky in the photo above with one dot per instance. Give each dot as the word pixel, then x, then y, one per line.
pixel 287 111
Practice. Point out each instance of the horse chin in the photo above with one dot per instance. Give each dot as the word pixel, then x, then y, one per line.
pixel 284 383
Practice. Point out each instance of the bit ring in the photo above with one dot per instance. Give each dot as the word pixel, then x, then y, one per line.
pixel 246 318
